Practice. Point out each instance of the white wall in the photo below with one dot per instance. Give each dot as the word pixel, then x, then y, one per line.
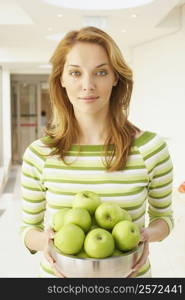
pixel 1 113
pixel 158 102
pixel 6 121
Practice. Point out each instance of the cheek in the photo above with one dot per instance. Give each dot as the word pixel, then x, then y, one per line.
pixel 71 88
pixel 106 90
pixel 68 82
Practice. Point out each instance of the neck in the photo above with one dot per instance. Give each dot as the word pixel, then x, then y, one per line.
pixel 93 130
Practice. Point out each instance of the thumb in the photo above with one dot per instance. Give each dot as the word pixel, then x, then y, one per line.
pixel 51 233
pixel 144 235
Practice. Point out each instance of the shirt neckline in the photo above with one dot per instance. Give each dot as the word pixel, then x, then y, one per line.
pixel 98 147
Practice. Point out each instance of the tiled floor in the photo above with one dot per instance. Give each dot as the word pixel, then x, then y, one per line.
pixel 167 257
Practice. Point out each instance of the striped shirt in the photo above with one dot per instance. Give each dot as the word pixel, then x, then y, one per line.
pixel 143 185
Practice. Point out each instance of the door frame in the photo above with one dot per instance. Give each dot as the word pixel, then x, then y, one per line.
pixel 37 79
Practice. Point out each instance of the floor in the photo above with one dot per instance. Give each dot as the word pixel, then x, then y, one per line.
pixel 167 257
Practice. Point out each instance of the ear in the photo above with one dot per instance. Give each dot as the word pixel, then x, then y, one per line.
pixel 116 80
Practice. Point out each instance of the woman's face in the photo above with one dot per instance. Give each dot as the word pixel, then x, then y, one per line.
pixel 88 78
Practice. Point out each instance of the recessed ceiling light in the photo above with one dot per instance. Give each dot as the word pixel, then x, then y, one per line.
pixel 59 15
pixel 123 30
pixel 97 4
pixel 50 28
pixel 133 15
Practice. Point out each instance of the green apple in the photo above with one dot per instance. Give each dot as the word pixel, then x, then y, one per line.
pixel 126 235
pixel 58 218
pixel 82 254
pixel 117 253
pixel 93 220
pixel 94 224
pixel 79 216
pixel 126 215
pixel 62 253
pixel 69 239
pixel 88 200
pixel 99 243
pixel 93 227
pixel 107 215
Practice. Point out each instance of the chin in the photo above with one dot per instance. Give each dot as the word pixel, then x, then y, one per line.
pixel 88 110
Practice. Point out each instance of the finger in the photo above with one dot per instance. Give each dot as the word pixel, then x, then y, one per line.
pixel 48 257
pixel 47 252
pixel 131 274
pixel 143 258
pixel 50 233
pixel 144 255
pixel 57 271
pixel 144 235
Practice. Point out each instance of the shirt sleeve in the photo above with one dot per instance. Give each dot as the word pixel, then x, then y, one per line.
pixel 32 191
pixel 160 170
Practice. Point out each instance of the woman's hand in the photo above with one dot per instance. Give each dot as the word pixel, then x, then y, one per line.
pixel 145 254
pixel 49 235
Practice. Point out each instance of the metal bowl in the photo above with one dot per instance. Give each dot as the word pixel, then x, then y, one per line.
pixel 113 266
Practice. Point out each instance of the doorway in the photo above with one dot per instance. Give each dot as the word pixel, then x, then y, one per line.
pixel 30 111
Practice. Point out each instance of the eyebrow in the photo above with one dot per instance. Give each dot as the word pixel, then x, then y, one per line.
pixel 76 66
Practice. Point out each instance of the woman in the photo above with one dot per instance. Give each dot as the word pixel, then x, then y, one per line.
pixel 91 145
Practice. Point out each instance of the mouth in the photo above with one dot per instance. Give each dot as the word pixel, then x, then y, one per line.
pixel 89 99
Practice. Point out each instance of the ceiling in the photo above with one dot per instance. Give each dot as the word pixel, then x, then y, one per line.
pixel 26 28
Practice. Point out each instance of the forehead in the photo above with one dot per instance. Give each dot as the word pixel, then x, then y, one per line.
pixel 87 53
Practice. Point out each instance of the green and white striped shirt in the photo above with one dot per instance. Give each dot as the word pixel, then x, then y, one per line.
pixel 145 184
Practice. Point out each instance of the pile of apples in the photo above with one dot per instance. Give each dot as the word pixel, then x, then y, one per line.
pixel 94 229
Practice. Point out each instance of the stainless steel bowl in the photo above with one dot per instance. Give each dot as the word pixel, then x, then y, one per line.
pixel 114 266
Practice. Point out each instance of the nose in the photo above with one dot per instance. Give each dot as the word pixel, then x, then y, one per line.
pixel 88 83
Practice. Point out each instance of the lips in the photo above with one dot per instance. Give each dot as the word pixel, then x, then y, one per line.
pixel 89 98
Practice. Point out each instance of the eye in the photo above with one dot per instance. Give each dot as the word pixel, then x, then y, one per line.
pixel 75 73
pixel 102 73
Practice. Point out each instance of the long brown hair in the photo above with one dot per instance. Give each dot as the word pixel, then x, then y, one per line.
pixel 63 128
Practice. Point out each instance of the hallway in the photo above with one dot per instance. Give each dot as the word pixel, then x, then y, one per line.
pixel 16 261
